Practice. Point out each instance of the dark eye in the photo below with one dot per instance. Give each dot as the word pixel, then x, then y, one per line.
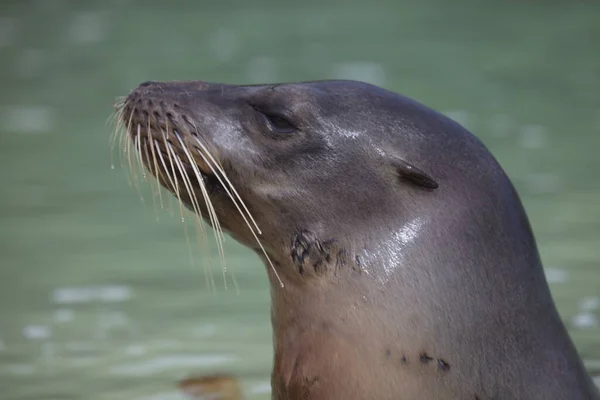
pixel 280 124
pixel 277 123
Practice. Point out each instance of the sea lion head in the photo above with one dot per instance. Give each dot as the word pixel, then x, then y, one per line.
pixel 337 161
pixel 434 270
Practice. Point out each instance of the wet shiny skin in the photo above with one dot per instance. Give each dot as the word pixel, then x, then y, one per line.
pixel 433 255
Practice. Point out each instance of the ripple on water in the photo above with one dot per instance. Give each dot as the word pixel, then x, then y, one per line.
pixel 261 388
pixel 87 294
pixel 592 364
pixel 136 350
pixel 589 303
pixel 158 364
pixel 36 332
pixel 27 119
pixel 556 275
pixel 114 321
pixel 585 320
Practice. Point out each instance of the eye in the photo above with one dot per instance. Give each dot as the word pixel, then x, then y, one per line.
pixel 277 123
pixel 280 124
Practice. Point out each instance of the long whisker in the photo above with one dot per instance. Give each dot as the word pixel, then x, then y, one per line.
pixel 148 165
pixel 171 182
pixel 199 224
pixel 211 211
pixel 138 152
pixel 124 145
pixel 117 119
pixel 234 202
pixel 171 154
pixel 138 156
pixel 175 190
pixel 210 165
pixel 166 162
pixel 187 183
pixel 157 171
pixel 132 179
pixel 216 164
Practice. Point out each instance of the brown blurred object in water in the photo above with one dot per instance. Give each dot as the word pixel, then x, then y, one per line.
pixel 213 387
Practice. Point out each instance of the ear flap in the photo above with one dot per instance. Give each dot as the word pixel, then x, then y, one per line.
pixel 414 174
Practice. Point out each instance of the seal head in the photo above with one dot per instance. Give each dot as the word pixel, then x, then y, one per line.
pixel 408 265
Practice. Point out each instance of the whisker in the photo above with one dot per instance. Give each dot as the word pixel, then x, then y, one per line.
pixel 186 182
pixel 175 189
pixel 157 171
pixel 138 189
pixel 138 152
pixel 170 173
pixel 190 192
pixel 228 182
pixel 131 166
pixel 212 168
pixel 166 170
pixel 201 231
pixel 151 182
pixel 211 211
pixel 201 234
pixel 171 154
pixel 240 211
pixel 124 141
pixel 116 119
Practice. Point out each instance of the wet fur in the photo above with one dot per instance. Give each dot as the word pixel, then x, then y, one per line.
pixel 401 261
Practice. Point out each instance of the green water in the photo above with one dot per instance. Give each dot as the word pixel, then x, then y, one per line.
pixel 99 301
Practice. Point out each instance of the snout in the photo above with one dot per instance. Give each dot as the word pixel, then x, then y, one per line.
pixel 155 106
pixel 164 105
pixel 160 116
pixel 171 87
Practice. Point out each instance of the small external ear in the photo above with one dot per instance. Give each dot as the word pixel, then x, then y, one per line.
pixel 414 174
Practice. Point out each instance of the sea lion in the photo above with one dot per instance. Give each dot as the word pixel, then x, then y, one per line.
pixel 401 261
